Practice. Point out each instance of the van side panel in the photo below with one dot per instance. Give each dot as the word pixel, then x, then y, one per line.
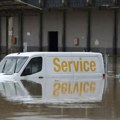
pixel 74 76
pixel 57 75
pixel 88 77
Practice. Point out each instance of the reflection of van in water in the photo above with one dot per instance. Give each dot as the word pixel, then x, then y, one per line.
pixel 13 90
pixel 60 76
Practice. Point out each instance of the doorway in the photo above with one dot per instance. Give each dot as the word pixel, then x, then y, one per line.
pixel 53 40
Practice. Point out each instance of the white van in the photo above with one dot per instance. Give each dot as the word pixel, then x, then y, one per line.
pixel 59 76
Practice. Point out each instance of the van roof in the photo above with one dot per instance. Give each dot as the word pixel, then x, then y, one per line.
pixel 53 53
pixel 25 54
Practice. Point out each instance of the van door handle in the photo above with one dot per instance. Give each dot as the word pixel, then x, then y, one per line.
pixel 40 77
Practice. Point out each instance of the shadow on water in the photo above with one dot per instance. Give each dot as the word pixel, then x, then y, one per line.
pixel 108 109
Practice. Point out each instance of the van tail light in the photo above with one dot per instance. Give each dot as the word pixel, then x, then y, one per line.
pixel 104 76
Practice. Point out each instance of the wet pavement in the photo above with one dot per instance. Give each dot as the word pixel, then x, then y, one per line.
pixel 108 109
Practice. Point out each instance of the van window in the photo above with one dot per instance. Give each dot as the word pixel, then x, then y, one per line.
pixel 10 65
pixel 34 66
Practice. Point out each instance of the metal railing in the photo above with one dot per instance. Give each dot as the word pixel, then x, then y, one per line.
pixel 33 2
pixel 53 3
pixel 77 3
pixel 103 2
pixel 64 3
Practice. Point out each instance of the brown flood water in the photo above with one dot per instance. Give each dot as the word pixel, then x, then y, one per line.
pixel 108 109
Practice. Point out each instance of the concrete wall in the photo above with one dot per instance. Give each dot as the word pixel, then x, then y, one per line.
pixel 102 29
pixel 31 31
pixel 76 27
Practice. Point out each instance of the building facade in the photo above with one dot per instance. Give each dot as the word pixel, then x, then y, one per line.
pixel 60 25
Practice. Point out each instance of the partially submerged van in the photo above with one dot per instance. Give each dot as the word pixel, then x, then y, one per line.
pixel 57 76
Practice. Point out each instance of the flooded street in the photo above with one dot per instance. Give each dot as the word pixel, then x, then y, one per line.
pixel 108 109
